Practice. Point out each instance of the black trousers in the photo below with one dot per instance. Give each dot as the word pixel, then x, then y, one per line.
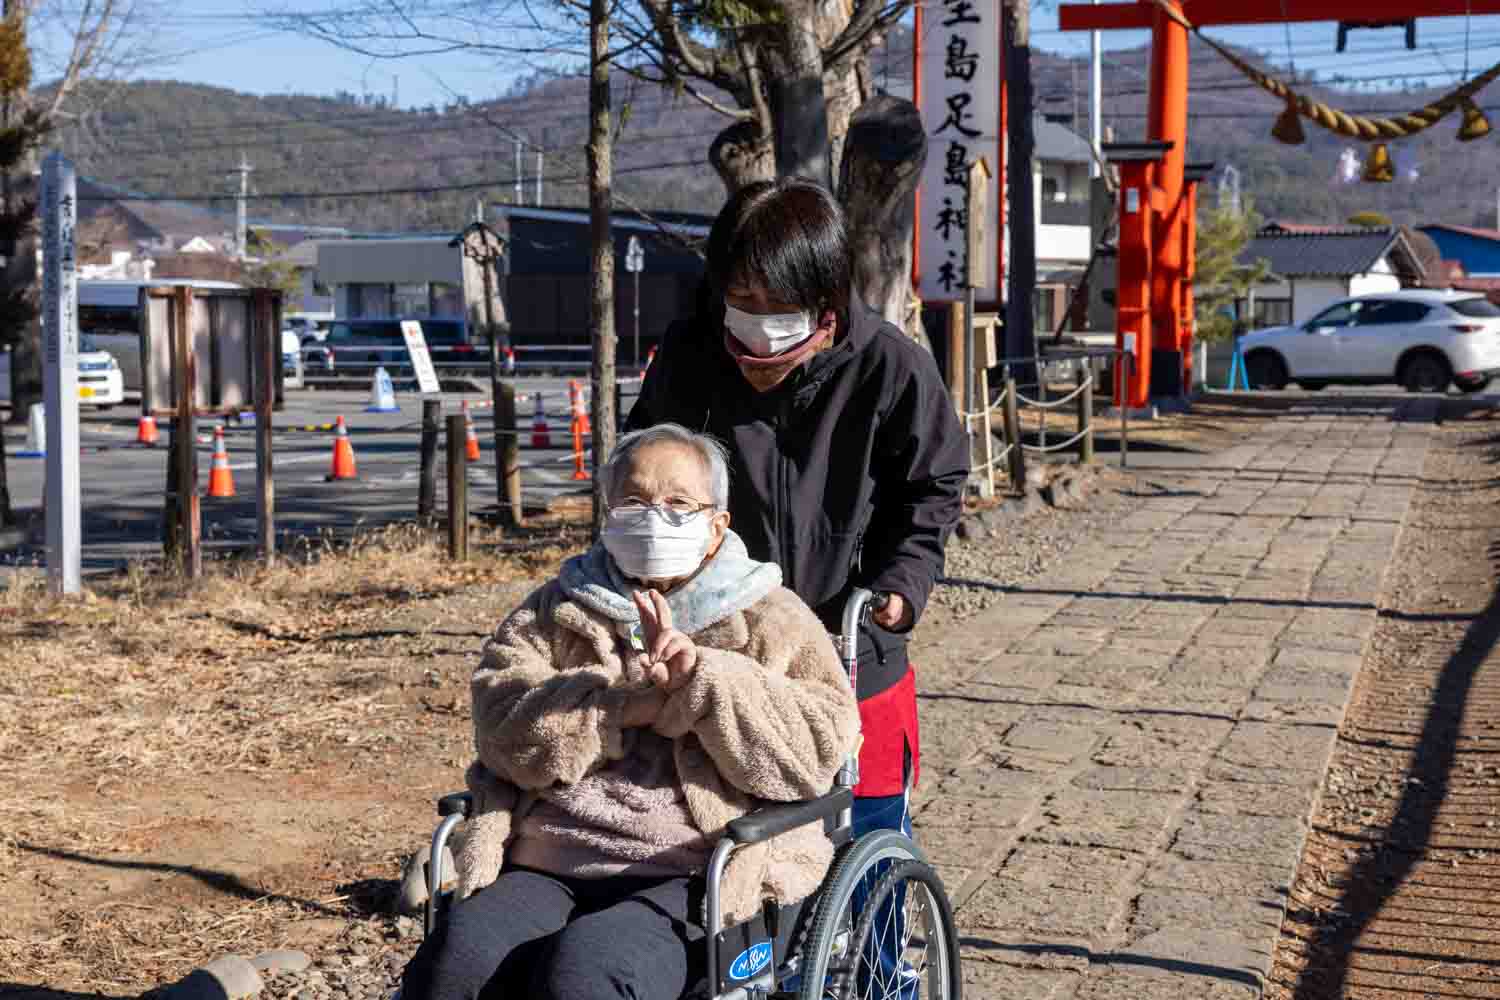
pixel 535 935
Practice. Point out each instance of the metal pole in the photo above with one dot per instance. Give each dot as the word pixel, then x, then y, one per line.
pixel 1096 104
pixel 268 349
pixel 432 412
pixel 636 305
pixel 520 191
pixel 187 452
pixel 458 492
pixel 60 387
pixel 1127 360
pixel 539 177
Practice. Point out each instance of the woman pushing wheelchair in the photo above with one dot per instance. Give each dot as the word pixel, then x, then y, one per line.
pixel 664 684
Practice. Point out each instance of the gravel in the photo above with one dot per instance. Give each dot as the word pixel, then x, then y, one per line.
pixel 367 965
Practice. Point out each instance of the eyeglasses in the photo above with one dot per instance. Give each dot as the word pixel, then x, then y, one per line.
pixel 676 511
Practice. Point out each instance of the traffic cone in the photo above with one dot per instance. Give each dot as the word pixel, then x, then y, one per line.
pixel 579 472
pixel 471 440
pixel 220 479
pixel 382 394
pixel 650 357
pixel 145 431
pixel 343 454
pixel 510 361
pixel 36 433
pixel 541 436
pixel 580 412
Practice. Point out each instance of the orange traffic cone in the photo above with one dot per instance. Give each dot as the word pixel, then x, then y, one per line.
pixel 343 454
pixel 145 431
pixel 579 472
pixel 650 357
pixel 541 436
pixel 471 440
pixel 220 479
pixel 580 412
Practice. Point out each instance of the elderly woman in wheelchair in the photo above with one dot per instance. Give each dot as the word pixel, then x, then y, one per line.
pixel 635 719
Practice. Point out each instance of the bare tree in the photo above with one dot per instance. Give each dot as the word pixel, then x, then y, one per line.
pixel 79 47
pixel 602 258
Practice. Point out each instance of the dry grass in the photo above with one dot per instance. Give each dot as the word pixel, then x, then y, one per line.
pixel 152 682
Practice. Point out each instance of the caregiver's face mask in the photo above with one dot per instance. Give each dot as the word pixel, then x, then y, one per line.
pixel 766 335
pixel 657 541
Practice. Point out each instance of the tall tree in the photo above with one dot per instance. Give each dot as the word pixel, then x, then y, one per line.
pixel 602 257
pixel 100 41
pixel 19 137
pixel 1221 277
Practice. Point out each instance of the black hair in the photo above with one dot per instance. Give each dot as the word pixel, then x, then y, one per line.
pixel 787 236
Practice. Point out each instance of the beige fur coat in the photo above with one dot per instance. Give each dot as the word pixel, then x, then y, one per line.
pixel 767 716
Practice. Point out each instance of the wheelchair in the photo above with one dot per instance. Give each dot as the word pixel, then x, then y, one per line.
pixel 880 927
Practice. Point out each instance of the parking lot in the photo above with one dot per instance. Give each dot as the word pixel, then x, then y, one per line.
pixel 123 483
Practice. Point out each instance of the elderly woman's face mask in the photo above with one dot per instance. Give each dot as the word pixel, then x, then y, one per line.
pixel 657 541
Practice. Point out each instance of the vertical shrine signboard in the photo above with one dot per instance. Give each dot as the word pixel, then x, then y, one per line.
pixel 59 208
pixel 959 66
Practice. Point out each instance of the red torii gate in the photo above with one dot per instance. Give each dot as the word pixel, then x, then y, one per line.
pixel 1154 287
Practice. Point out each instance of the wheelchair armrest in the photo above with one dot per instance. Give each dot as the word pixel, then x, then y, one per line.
pixel 772 821
pixel 457 804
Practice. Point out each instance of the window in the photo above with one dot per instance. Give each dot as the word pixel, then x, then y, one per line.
pixel 1050 190
pixel 370 300
pixel 1343 314
pixel 1389 312
pixel 1476 307
pixel 1271 312
pixel 447 300
pixel 410 301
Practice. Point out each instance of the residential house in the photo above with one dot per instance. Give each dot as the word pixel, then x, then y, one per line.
pixel 1312 267
pixel 1476 250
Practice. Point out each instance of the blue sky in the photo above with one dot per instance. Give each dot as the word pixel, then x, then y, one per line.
pixel 229 44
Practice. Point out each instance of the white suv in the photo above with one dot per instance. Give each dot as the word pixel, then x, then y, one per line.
pixel 1417 338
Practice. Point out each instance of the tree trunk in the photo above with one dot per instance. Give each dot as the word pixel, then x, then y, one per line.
pixel 21 272
pixel 1020 335
pixel 798 106
pixel 741 154
pixel 884 153
pixel 602 265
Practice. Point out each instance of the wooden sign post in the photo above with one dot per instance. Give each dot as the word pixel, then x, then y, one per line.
pixel 977 275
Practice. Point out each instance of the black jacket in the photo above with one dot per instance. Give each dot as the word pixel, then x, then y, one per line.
pixel 849 473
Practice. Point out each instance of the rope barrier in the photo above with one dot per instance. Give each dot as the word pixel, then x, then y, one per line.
pixel 1054 404
pixel 1342 122
pixel 1038 450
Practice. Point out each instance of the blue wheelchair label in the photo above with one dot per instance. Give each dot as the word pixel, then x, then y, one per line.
pixel 750 961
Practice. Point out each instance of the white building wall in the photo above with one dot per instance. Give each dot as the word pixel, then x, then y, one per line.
pixel 1311 296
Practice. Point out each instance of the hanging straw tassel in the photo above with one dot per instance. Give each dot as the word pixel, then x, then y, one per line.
pixel 1378 169
pixel 1475 126
pixel 1288 127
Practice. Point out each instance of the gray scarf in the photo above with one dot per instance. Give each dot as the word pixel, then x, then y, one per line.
pixel 729 583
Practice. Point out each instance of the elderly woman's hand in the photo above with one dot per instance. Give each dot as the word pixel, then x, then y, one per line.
pixel 670 656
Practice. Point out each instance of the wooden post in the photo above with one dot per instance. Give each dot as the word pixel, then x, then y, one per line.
pixel 983 451
pixel 508 457
pixel 432 412
pixel 957 371
pixel 1013 434
pixel 458 490
pixel 171 519
pixel 267 349
pixel 1085 377
pixel 1020 152
pixel 184 438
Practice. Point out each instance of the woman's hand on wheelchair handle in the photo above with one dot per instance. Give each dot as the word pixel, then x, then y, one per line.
pixel 894 614
pixel 671 657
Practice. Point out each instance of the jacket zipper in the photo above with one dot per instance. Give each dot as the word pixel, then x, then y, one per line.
pixel 783 504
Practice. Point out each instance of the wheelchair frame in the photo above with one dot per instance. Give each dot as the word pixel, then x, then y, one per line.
pixel 834 810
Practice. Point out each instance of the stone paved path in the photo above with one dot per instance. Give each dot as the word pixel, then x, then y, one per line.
pixel 1121 760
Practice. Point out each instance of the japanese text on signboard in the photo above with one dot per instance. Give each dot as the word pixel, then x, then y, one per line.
pixel 960 72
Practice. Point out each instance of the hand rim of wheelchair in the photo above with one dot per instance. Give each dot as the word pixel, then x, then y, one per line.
pixel 831 918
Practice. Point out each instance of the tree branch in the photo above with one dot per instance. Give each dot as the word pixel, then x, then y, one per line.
pixel 869 18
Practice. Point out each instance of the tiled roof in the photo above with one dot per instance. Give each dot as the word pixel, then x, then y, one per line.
pixel 1058 143
pixel 1477 233
pixel 1331 253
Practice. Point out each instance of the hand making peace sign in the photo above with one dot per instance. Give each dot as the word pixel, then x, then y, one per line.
pixel 670 657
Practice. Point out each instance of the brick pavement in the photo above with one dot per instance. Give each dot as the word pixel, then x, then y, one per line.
pixel 1121 757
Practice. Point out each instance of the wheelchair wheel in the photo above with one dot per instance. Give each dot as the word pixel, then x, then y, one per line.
pixel 883 928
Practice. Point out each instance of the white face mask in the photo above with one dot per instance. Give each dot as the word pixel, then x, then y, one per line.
pixel 764 336
pixel 646 546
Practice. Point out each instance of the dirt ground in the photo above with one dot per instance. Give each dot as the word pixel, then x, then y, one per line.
pixel 242 765
pixel 1398 893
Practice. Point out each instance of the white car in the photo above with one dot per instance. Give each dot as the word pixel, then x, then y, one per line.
pixel 100 382
pixel 1417 338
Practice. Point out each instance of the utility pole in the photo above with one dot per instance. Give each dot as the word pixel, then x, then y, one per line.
pixel 539 177
pixel 520 191
pixel 1096 102
pixel 241 229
